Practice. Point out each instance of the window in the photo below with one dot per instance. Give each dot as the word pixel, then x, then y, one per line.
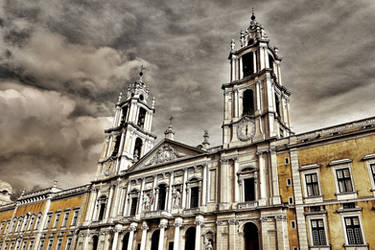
pixel 24 245
pixel 286 161
pixel 248 102
pixel 137 149
pixel 344 180
pixel 65 220
pixel 124 114
pixel 288 182
pixel 41 245
pixel 38 221
pixel 314 208
pixel 95 240
pixel 68 244
pixel 133 208
pixel 249 189
pixel 353 230
pixel 75 218
pixel 48 221
pixel 57 218
pixel 277 104
pixel 162 196
pixel 248 64
pixel 31 245
pixel 101 211
pixel 312 185
pixel 19 224
pixel 281 133
pixel 18 244
pixel 318 232
pixel 59 243
pixel 293 224
pixel 290 200
pixel 372 167
pixel 2 225
pixel 194 197
pixel 31 223
pixel 117 145
pixel 50 243
pixel 270 61
pixel 348 205
pixel 141 117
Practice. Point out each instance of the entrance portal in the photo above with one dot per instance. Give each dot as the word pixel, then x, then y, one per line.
pixel 251 236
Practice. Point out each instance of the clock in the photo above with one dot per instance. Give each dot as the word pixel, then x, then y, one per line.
pixel 246 129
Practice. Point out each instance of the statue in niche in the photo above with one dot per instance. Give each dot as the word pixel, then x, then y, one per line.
pixel 208 244
pixel 146 202
pixel 176 198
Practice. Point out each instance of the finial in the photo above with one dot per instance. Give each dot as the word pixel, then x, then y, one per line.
pixel 252 14
pixel 141 73
pixel 169 134
pixel 232 45
pixel 119 97
pixel 205 143
pixel 55 183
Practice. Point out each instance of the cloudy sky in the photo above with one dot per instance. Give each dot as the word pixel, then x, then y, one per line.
pixel 64 62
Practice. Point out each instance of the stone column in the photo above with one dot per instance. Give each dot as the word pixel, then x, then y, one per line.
pixel 132 228
pixel 140 202
pixel 177 224
pixel 282 232
pixel 144 236
pixel 42 222
pixel 275 178
pixel 96 204
pixel 236 182
pixel 162 226
pixel 87 239
pixel 126 199
pixel 169 207
pixel 204 190
pixel 198 222
pixel 262 179
pixel 184 190
pixel 115 237
pixel 110 197
pixel 116 199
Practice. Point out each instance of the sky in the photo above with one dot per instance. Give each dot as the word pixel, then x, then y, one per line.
pixel 63 64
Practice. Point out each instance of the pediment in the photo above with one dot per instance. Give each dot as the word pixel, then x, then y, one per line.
pixel 165 152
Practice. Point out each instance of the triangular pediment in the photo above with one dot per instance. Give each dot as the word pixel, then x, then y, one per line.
pixel 165 152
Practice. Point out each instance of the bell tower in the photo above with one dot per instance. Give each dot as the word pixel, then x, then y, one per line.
pixel 256 104
pixel 130 136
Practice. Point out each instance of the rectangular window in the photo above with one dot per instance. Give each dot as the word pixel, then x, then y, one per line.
pixel 133 208
pixel 59 243
pixel 31 224
pixel 65 220
pixel 312 185
pixel 57 218
pixel 249 189
pixel 75 218
pixel 344 180
pixel 353 230
pixel 50 243
pixel 38 221
pixel 372 166
pixel 68 244
pixel 41 245
pixel 194 197
pixel 48 221
pixel 318 232
pixel 248 64
pixel 31 245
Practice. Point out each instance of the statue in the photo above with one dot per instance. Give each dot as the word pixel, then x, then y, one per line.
pixel 208 244
pixel 176 199
pixel 146 202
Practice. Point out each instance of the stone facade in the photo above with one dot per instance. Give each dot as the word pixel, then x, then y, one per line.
pixel 263 188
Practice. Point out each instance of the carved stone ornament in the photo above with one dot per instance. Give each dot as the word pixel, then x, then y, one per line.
pixel 108 168
pixel 246 129
pixel 164 154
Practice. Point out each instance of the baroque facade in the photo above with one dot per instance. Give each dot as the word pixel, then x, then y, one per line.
pixel 263 188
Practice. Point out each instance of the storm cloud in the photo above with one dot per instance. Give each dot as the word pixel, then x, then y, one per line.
pixel 63 64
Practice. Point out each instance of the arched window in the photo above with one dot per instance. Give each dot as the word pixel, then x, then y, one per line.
pixel 141 117
pixel 162 196
pixel 251 236
pixel 248 64
pixel 155 240
pixel 277 104
pixel 125 242
pixel 248 102
pixel 124 114
pixel 190 238
pixel 137 149
pixel 95 240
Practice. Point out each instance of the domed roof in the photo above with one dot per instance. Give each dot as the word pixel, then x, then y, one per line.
pixel 5 186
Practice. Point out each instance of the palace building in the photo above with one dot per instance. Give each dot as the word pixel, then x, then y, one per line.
pixel 263 188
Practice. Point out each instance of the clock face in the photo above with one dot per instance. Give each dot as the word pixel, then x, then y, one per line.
pixel 246 129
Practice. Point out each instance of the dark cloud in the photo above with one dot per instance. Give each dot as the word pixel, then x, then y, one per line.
pixel 63 63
